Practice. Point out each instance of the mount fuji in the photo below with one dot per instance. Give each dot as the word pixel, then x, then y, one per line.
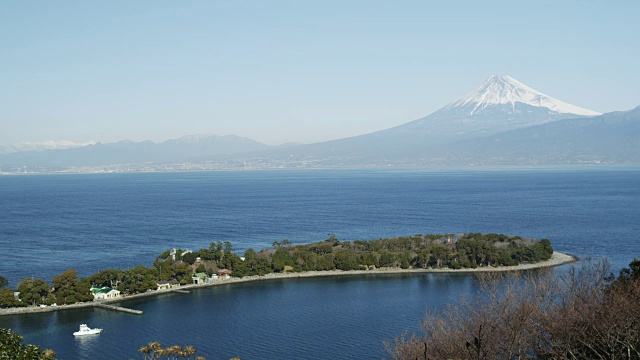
pixel 501 103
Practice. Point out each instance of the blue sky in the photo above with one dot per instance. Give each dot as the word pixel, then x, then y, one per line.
pixel 305 71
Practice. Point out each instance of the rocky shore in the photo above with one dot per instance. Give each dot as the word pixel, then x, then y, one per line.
pixel 557 258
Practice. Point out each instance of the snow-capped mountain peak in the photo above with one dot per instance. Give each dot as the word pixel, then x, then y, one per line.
pixel 502 90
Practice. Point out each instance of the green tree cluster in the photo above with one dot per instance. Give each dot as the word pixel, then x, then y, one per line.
pixel 68 290
pixel 7 299
pixel 35 291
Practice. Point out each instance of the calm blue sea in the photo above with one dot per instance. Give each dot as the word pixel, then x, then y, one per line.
pixel 51 223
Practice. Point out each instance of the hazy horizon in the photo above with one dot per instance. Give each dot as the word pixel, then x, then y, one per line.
pixel 286 71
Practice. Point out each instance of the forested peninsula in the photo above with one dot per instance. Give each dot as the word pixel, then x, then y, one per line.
pixel 176 267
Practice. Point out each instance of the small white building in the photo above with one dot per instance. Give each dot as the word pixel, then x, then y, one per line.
pixel 164 285
pixel 200 278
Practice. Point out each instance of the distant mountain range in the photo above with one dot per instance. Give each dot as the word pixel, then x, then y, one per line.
pixel 502 121
pixel 195 148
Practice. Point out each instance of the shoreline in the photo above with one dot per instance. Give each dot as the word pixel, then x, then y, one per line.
pixel 557 259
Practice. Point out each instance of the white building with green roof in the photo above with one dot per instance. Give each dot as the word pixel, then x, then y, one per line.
pixel 104 293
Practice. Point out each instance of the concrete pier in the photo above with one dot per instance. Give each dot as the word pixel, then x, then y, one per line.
pixel 118 308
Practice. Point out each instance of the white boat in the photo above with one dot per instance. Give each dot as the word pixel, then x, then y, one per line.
pixel 85 330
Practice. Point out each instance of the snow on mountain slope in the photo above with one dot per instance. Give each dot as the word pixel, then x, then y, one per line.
pixel 507 90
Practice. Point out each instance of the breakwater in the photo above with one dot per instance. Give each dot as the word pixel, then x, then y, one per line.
pixel 119 308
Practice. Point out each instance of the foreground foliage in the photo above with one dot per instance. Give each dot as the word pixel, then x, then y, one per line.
pixel 11 347
pixel 154 350
pixel 584 314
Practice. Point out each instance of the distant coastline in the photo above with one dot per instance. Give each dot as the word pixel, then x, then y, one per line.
pixel 557 259
pixel 197 168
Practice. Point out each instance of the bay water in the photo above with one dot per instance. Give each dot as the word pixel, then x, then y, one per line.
pixel 50 223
